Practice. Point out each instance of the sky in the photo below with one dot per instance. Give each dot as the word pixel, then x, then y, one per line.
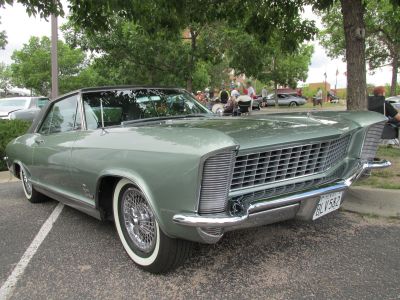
pixel 20 27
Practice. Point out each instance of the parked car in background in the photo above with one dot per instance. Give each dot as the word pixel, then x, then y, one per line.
pixel 22 108
pixel 169 171
pixel 286 100
pixel 395 101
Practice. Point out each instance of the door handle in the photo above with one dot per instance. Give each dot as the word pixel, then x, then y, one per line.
pixel 39 141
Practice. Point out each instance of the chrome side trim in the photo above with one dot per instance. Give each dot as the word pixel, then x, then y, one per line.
pixel 195 220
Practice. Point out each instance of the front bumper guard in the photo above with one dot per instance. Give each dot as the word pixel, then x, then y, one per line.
pixel 261 207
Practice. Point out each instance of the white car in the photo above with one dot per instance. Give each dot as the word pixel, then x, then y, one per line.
pixel 23 108
pixel 395 101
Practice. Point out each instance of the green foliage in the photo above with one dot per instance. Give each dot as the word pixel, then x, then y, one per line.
pixel 3 39
pixel 201 79
pixel 31 67
pixel 10 130
pixel 382 23
pixel 129 55
pixel 286 68
pixel 309 92
pixel 5 78
pixel 43 8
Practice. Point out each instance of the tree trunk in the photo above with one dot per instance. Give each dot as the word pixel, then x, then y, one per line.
pixel 395 69
pixel 354 31
pixel 192 59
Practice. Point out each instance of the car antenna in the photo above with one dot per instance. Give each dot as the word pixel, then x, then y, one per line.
pixel 103 131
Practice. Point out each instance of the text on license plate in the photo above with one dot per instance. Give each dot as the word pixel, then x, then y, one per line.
pixel 327 203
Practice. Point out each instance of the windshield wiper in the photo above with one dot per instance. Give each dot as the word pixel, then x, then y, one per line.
pixel 164 118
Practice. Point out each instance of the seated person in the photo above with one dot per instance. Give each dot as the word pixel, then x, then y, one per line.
pixel 387 109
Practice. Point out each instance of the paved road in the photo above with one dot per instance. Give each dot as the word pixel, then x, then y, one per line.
pixel 340 256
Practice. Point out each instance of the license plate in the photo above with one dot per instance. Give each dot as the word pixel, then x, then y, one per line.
pixel 327 203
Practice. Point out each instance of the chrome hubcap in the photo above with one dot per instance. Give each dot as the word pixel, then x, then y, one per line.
pixel 27 183
pixel 139 220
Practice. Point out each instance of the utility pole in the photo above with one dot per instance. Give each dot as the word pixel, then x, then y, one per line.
pixel 326 92
pixel 54 59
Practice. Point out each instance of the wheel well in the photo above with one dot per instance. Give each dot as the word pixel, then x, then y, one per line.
pixel 17 169
pixel 105 192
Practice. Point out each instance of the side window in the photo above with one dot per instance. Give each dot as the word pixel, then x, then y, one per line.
pixel 41 102
pixel 62 117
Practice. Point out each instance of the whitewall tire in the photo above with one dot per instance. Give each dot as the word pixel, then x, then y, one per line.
pixel 140 233
pixel 30 193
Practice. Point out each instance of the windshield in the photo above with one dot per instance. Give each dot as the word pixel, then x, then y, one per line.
pixel 13 102
pixel 138 104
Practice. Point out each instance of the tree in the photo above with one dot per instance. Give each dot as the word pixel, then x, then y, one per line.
pixel 258 18
pixel 382 35
pixel 5 78
pixel 31 66
pixel 354 36
pixel 43 8
pixel 3 38
pixel 127 54
pixel 286 68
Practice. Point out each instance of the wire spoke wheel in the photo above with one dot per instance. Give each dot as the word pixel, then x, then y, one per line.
pixel 27 183
pixel 139 220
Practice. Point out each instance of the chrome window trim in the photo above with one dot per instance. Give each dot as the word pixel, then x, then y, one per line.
pixel 82 112
pixel 49 108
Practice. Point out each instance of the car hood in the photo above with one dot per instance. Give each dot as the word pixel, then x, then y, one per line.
pixel 273 129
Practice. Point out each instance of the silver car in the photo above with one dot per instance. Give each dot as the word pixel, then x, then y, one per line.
pixel 22 108
pixel 395 101
pixel 286 100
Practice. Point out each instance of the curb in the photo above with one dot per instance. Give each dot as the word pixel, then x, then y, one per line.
pixel 6 176
pixel 372 201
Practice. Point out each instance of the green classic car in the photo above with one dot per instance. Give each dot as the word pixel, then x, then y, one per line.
pixel 168 171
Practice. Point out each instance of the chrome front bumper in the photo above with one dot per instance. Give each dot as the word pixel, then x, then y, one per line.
pixel 276 209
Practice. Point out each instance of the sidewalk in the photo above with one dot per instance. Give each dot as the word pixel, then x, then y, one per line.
pixel 374 201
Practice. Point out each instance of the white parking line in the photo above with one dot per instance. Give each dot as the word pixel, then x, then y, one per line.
pixel 8 286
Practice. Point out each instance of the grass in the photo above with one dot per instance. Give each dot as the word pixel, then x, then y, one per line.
pixel 387 178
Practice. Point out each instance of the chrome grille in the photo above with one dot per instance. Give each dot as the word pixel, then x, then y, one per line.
pixel 287 163
pixel 217 172
pixel 371 141
pixel 289 188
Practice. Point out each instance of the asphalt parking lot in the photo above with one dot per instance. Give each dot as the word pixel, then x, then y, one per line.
pixel 342 255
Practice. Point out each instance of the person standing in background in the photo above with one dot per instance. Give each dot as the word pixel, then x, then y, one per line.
pixel 224 95
pixel 318 97
pixel 264 95
pixel 250 90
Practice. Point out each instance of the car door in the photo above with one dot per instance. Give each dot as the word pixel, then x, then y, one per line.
pixel 53 142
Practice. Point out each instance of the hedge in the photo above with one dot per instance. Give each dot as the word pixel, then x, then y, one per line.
pixel 8 131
